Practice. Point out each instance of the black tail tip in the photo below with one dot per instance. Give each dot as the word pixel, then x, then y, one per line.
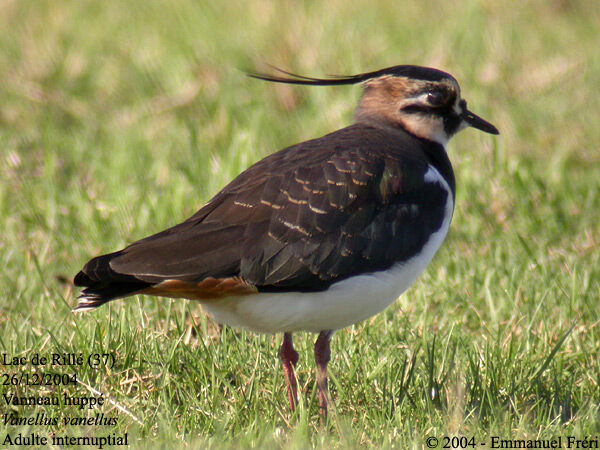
pixel 88 301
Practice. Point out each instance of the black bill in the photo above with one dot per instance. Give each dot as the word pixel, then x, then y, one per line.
pixel 475 121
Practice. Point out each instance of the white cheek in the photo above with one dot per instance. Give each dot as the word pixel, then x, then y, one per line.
pixel 427 128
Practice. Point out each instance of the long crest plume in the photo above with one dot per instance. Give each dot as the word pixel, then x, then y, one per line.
pixel 417 72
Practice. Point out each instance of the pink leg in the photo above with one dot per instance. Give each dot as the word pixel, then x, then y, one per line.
pixel 289 358
pixel 322 356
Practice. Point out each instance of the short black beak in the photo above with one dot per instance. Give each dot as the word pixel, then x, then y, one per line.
pixel 477 122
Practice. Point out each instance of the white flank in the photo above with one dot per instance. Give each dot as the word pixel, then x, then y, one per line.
pixel 344 303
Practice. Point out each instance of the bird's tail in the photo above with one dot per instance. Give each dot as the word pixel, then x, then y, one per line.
pixel 102 284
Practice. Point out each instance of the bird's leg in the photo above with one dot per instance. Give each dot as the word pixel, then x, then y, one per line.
pixel 289 358
pixel 322 356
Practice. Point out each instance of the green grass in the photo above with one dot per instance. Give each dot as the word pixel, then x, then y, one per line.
pixel 118 119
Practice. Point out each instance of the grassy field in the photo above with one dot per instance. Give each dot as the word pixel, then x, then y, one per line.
pixel 118 119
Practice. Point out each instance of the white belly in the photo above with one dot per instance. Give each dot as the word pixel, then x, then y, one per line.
pixel 344 303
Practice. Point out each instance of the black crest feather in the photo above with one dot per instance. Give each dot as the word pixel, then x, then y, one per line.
pixel 415 72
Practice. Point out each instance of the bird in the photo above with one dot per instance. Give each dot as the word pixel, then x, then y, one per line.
pixel 317 236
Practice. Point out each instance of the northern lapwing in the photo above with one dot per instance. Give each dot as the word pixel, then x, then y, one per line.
pixel 317 236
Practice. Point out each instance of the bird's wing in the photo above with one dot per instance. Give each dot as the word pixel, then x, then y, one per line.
pixel 300 219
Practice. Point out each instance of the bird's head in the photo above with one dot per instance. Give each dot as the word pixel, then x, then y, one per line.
pixel 423 101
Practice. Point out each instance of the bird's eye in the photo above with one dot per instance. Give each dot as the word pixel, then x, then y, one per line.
pixel 435 98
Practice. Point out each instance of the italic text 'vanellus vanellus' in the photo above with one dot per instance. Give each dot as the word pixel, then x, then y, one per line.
pixel 319 235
